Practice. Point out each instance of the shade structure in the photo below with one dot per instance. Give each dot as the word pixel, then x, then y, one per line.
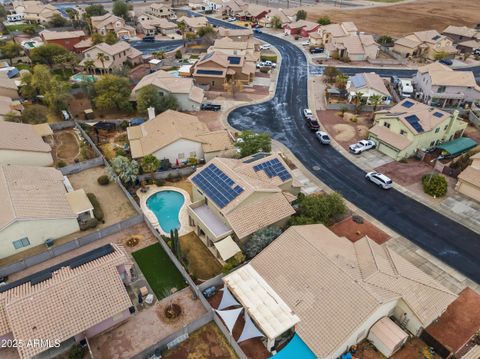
pixel 227 300
pixel 249 330
pixel 229 317
pixel 227 248
pixel 387 336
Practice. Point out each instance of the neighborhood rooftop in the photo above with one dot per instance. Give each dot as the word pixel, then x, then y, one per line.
pixel 21 137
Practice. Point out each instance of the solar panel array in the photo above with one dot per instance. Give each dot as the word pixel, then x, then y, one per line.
pixel 220 188
pixel 234 60
pixel 209 72
pixel 438 114
pixel 407 104
pixel 358 81
pixel 273 168
pixel 256 157
pixel 414 121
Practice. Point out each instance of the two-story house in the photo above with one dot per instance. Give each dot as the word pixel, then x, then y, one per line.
pixel 286 16
pixel 469 179
pixel 424 44
pixel 410 125
pixel 152 25
pixel 235 48
pixel 162 11
pixel 235 34
pixel 328 33
pixel 34 11
pixel 112 56
pixel 110 23
pixel 66 39
pixel 193 23
pixel 300 27
pixel 441 86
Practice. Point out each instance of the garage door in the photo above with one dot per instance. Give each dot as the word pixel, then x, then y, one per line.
pixel 387 150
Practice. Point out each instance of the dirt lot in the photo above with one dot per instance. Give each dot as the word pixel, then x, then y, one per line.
pixel 413 349
pixel 405 174
pixel 460 321
pixel 355 231
pixel 201 262
pixel 401 19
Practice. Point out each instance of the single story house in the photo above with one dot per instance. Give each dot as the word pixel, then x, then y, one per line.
pixel 411 125
pixel 468 182
pixel 301 27
pixel 240 35
pixel 369 84
pixel 114 56
pixel 354 47
pixel 459 34
pixel 333 291
pixel 189 96
pixel 441 86
pixel 178 137
pixel 194 23
pixel 231 47
pixel 424 44
pixel 150 25
pixel 8 86
pixel 285 16
pixel 66 39
pixel 111 23
pixel 21 144
pixel 78 298
pixel 35 11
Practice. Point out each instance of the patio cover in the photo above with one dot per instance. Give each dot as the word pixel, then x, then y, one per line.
pixel 43 129
pixel 458 146
pixel 227 300
pixel 79 201
pixel 227 248
pixel 229 317
pixel 249 330
pixel 296 348
pixel 387 336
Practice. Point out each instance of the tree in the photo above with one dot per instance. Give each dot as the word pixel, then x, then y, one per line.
pixel 11 50
pixel 341 81
pixel 276 22
pixel 358 101
pixel 319 208
pixel 182 26
pixel 324 20
pixel 66 60
pixel 89 65
pixel 435 185
pixel 233 87
pixel 176 248
pixel 127 170
pixel 27 89
pixel 111 38
pixel 97 38
pixel 249 143
pixel 159 54
pixel 57 95
pixel 45 54
pixel 441 55
pixel 147 96
pixel 41 78
pixel 260 240
pixel 72 13
pixel 95 10
pixel 167 102
pixel 112 93
pixel 34 114
pixel 178 54
pixel 385 40
pixel 331 73
pixel 57 20
pixel 301 15
pixel 29 30
pixel 120 9
pixel 3 12
pixel 190 36
pixel 12 116
pixel 375 100
pixel 102 57
pixel 205 30
pixel 150 163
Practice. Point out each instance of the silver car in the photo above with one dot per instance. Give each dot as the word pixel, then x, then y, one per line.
pixel 379 179
pixel 323 137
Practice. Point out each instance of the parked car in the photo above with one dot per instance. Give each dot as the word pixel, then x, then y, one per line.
pixel 447 62
pixel 265 47
pixel 105 126
pixel 125 37
pixel 361 146
pixel 306 43
pixel 136 121
pixel 395 81
pixel 405 88
pixel 231 19
pixel 210 107
pixel 148 38
pixel 257 31
pixel 323 137
pixel 476 52
pixel 209 292
pixel 379 179
pixel 317 50
pixel 307 113
pixel 312 123
pixel 266 64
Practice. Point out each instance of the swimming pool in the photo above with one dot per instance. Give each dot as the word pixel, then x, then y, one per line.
pixel 82 77
pixel 166 206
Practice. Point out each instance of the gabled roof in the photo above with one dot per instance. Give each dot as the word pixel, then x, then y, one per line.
pixel 339 30
pixel 61 35
pixel 442 75
pixel 101 21
pixel 368 80
pixel 303 24
pixel 194 22
pixel 21 137
pixel 461 31
pixel 225 32
pixel 6 82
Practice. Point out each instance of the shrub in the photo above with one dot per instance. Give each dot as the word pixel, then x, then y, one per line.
pixel 61 163
pixel 97 210
pixel 435 185
pixel 159 182
pixel 88 224
pixel 259 240
pixel 119 151
pixel 124 125
pixel 103 180
pixel 76 352
pixel 319 208
pixel 178 55
pixel 272 58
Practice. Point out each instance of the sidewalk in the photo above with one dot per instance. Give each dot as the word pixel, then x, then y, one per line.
pixel 457 208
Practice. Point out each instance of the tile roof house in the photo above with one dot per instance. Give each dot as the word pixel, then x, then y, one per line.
pixel 411 125
pixel 354 47
pixel 369 84
pixel 328 33
pixel 78 299
pixel 111 23
pixel 8 86
pixel 193 23
pixel 34 207
pixel 240 35
pixel 231 47
pixel 286 16
pixel 67 39
pixel 234 7
pixel 162 11
pixel 237 197
pixel 459 34
pixel 301 27
pixel 151 25
pixel 189 96
pixel 468 182
pixel 424 44
pixel 21 144
pixel 177 137
pixel 35 11
pixel 115 56
pixel 441 86
pixel 217 68
pixel 339 289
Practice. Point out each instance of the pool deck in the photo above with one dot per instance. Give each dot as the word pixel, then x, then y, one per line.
pixel 182 215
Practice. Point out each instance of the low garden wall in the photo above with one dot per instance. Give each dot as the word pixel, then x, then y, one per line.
pixel 177 172
pixel 57 126
pixel 82 166
pixel 351 107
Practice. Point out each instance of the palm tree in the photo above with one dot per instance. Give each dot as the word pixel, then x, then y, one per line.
pixel 89 65
pixel 375 100
pixel 358 101
pixel 101 57
pixel 150 163
pixel 182 26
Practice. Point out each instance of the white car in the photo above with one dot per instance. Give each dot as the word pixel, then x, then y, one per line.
pixel 266 64
pixel 306 43
pixel 307 113
pixel 265 47
pixel 361 146
pixel 232 19
pixel 379 179
pixel 323 137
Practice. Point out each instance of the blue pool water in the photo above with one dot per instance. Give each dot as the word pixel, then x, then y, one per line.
pixel 166 206
pixel 296 348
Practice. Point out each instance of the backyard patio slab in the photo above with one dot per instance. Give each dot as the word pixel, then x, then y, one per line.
pixel 355 231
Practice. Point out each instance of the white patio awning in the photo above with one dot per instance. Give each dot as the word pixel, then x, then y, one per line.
pixel 229 317
pixel 79 201
pixel 227 300
pixel 227 248
pixel 249 330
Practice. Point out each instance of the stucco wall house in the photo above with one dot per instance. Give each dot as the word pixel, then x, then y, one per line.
pixel 369 84
pixel 21 144
pixel 162 11
pixel 459 34
pixel 8 87
pixel 240 35
pixel 111 23
pixel 411 125
pixel 67 39
pixel 300 27
pixel 468 182
pixel 424 44
pixel 443 87
pixel 151 25
pixel 114 56
pixel 35 11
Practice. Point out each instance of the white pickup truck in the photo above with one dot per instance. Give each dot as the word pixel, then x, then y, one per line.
pixel 405 88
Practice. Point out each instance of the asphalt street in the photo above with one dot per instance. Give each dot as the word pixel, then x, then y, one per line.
pixel 281 116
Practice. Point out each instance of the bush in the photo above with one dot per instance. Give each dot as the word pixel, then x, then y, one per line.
pixel 76 352
pixel 103 180
pixel 119 151
pixel 259 240
pixel 233 262
pixel 272 58
pixel 124 125
pixel 88 224
pixel 319 208
pixel 159 182
pixel 435 185
pixel 97 210
pixel 178 55
pixel 61 163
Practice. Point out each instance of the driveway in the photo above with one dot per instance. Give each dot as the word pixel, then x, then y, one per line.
pixel 281 116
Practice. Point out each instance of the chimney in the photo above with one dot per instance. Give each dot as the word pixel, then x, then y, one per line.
pixel 151 113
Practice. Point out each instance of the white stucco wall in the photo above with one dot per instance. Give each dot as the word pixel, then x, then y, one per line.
pixel 172 151
pixel 37 231
pixel 186 104
pixel 26 158
pixel 413 324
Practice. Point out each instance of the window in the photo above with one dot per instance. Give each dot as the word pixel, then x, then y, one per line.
pixel 441 89
pixel 437 129
pixel 181 156
pixel 402 132
pixel 386 124
pixel 21 243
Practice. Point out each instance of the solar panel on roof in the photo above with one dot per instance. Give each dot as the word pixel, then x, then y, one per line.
pixel 438 114
pixel 207 56
pixel 217 185
pixel 256 157
pixel 436 37
pixel 233 60
pixel 358 81
pixel 209 72
pixel 273 168
pixel 407 104
pixel 414 121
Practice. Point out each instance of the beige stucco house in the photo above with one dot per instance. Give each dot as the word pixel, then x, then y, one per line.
pixel 286 16
pixel 193 23
pixel 411 125
pixel 151 25
pixel 21 144
pixel 336 289
pixel 231 47
pixel 328 33
pixel 424 44
pixel 369 84
pixel 114 56
pixel 469 179
pixel 111 23
pixel 162 11
pixel 241 35
pixel 35 11
pixel 178 137
pixel 189 96
pixel 8 87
